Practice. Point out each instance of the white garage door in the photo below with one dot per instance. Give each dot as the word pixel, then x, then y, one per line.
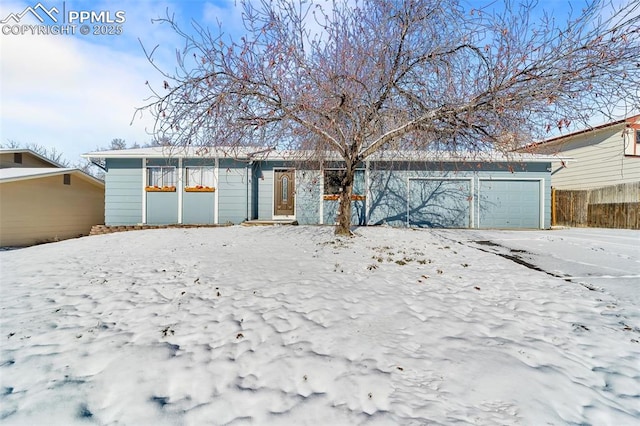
pixel 509 204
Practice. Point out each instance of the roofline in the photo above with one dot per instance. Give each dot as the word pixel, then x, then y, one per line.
pixel 55 172
pixel 273 155
pixel 32 152
pixel 628 121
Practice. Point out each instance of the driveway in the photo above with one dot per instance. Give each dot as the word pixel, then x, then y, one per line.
pixel 601 259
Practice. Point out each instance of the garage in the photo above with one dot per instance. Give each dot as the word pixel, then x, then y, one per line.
pixel 439 203
pixel 509 203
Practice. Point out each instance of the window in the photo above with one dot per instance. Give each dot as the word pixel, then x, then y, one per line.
pixel 285 189
pixel 632 142
pixel 333 184
pixel 161 179
pixel 17 157
pixel 199 178
pixel 66 179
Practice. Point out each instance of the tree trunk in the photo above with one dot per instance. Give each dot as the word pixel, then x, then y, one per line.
pixel 344 210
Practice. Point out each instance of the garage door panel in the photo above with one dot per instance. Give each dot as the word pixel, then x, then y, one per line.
pixel 509 204
pixel 439 203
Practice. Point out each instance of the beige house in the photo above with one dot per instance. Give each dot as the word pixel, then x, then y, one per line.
pixel 600 186
pixel 43 202
pixel 602 156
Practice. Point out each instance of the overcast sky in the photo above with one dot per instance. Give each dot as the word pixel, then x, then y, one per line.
pixel 77 92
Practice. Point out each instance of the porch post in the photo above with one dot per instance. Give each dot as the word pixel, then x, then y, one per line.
pixel 216 194
pixel 144 191
pixel 180 189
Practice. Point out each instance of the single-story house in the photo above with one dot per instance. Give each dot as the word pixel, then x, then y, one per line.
pixel 42 202
pixel 169 185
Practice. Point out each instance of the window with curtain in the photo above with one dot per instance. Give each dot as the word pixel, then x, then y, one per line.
pixel 161 177
pixel 199 177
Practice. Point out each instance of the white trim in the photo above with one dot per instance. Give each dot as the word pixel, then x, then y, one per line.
pixel 144 191
pixel 272 155
pixel 435 178
pixel 273 194
pixel 367 192
pixel 542 205
pixel 180 188
pixel 500 179
pixel 472 200
pixel 321 209
pixel 216 167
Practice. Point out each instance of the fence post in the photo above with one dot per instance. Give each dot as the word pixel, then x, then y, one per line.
pixel 553 207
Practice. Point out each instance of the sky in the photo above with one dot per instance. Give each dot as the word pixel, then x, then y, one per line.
pixel 76 92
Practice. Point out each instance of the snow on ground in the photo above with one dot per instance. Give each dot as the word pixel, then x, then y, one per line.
pixel 292 325
pixel 608 259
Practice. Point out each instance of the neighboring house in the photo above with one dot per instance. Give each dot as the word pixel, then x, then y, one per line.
pixel 40 201
pixel 600 187
pixel 602 156
pixel 158 186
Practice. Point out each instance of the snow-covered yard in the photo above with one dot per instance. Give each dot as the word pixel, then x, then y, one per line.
pixel 291 325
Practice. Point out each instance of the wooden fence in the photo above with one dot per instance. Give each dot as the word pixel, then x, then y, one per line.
pixel 616 206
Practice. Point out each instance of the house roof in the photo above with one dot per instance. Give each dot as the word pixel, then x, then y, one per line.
pixel 244 153
pixel 626 122
pixel 13 174
pixel 30 152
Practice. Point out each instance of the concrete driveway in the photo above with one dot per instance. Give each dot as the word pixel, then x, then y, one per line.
pixel 601 259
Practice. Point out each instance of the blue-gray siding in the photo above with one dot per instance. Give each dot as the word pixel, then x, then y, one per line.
pixel 234 196
pixel 308 196
pixel 401 193
pixel 198 208
pixel 265 190
pixel 162 208
pixel 123 192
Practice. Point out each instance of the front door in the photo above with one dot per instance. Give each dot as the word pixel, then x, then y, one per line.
pixel 284 193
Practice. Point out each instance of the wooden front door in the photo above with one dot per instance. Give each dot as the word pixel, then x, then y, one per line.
pixel 284 204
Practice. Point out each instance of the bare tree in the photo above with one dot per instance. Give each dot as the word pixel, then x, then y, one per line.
pixel 118 143
pixel 345 81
